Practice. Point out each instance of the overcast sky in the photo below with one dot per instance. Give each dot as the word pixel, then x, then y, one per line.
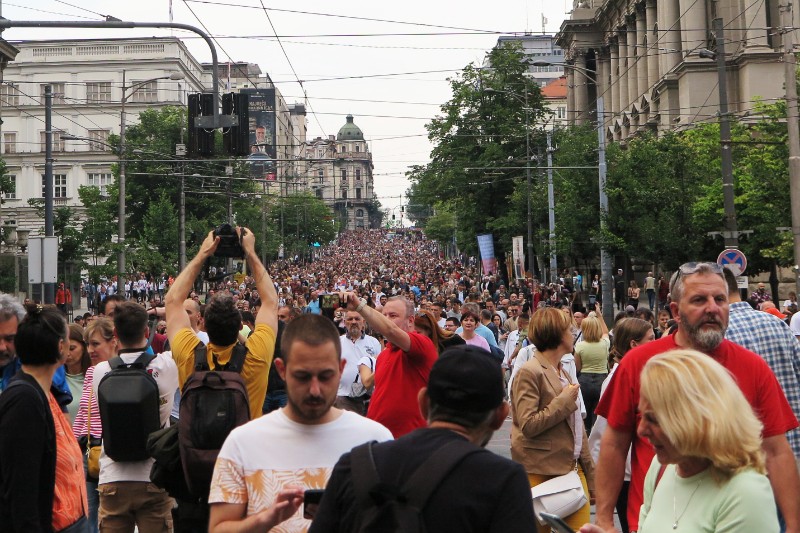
pixel 421 43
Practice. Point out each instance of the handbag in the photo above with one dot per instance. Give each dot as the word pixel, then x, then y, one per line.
pixel 562 495
pixel 92 452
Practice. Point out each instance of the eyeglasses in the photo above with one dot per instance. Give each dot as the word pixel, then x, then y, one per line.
pixel 687 269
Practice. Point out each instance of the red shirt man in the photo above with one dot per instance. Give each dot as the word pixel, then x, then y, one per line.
pixel 700 305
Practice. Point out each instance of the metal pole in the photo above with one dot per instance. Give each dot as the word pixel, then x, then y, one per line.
pixel 551 208
pixel 730 235
pixel 182 222
pixel 48 289
pixel 121 185
pixel 792 118
pixel 531 260
pixel 605 257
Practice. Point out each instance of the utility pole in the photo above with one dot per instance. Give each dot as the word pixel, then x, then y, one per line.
pixel 121 185
pixel 48 289
pixel 605 257
pixel 531 259
pixel 793 129
pixel 731 234
pixel 180 151
pixel 551 210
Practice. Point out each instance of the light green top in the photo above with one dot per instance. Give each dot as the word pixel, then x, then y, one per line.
pixel 75 383
pixel 594 356
pixel 743 504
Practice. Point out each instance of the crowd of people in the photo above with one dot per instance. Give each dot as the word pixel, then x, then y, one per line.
pixel 378 373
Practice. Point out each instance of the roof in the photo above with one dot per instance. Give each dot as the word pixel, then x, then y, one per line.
pixel 556 89
pixel 350 132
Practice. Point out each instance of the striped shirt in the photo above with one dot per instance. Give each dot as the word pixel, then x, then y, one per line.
pixel 79 426
pixel 771 338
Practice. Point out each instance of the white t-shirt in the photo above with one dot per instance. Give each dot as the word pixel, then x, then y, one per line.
pixel 268 454
pixel 352 352
pixel 794 324
pixel 165 372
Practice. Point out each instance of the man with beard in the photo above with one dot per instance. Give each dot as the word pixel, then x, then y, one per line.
pixel 355 347
pixel 700 306
pixel 293 447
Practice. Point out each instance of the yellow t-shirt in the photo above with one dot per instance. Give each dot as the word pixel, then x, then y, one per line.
pixel 260 351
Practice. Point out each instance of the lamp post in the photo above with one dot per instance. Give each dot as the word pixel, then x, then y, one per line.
pixel 605 257
pixel 524 100
pixel 121 185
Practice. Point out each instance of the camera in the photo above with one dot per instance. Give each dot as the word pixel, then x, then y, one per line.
pixel 230 242
pixel 330 301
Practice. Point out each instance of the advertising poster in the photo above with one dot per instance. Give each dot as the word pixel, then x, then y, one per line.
pixel 519 257
pixel 486 246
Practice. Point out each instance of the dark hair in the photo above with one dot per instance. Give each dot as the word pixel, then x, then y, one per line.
pixel 76 334
pixel 247 316
pixel 625 331
pixel 486 314
pixel 645 314
pixel 469 314
pixel 38 335
pixel 314 330
pixel 730 280
pixel 455 320
pixel 222 319
pixel 112 298
pixel 461 417
pixel 130 323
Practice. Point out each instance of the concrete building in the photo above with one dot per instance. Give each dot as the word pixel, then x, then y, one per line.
pixel 539 48
pixel 555 99
pixel 339 171
pixel 87 79
pixel 642 57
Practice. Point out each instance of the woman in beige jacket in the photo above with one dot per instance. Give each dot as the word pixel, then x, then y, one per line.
pixel 548 437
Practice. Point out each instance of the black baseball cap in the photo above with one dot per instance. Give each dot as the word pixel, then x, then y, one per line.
pixel 466 378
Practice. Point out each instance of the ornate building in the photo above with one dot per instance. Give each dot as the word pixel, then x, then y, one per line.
pixel 643 57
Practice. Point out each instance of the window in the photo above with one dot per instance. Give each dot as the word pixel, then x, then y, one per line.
pixel 10 142
pixel 100 138
pixel 9 94
pixel 146 92
pixel 98 91
pixel 58 144
pixel 344 174
pixel 59 186
pixel 101 180
pixel 359 212
pixel 57 91
pixel 358 147
pixel 358 194
pixel 319 192
pixel 562 112
pixel 344 194
pixel 358 174
pixel 320 175
pixel 12 188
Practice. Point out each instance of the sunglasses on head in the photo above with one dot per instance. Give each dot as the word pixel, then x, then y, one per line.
pixel 687 269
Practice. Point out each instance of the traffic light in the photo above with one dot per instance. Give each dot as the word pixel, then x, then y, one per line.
pixel 236 140
pixel 201 141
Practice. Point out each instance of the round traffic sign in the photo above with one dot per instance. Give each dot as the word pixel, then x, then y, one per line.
pixel 734 259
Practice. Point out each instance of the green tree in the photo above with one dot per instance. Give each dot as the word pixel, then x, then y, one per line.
pixel 155 250
pixel 96 233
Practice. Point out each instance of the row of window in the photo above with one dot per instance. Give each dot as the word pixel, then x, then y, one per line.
pixel 342 148
pixel 96 91
pixel 98 142
pixel 95 179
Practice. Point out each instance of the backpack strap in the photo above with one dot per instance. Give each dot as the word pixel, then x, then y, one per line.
pixel 365 474
pixel 236 362
pixel 115 362
pixel 200 357
pixel 430 474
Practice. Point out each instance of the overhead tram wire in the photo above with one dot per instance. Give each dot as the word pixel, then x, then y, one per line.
pixel 48 12
pixel 83 8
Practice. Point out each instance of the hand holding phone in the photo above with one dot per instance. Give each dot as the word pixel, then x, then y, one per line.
pixel 555 522
pixel 311 499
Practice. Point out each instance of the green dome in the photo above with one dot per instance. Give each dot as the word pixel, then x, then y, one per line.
pixel 350 132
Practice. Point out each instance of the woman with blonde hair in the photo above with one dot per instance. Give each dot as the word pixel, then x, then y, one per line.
pixel 547 436
pixel 591 359
pixel 708 474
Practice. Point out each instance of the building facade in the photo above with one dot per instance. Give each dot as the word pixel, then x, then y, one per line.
pixel 539 48
pixel 339 170
pixel 89 80
pixel 555 99
pixel 642 57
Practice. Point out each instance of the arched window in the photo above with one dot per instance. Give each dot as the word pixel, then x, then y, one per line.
pixel 360 213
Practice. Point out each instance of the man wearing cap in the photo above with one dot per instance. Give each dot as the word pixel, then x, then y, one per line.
pixel 483 492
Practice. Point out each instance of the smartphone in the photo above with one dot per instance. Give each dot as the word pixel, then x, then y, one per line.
pixel 555 522
pixel 311 499
pixel 330 301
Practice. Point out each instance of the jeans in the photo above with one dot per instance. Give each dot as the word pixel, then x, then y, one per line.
pixel 590 389
pixel 274 400
pixel 651 298
pixel 92 496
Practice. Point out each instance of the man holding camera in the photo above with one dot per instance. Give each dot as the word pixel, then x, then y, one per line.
pixel 223 321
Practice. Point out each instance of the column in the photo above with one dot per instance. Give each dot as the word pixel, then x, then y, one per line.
pixel 613 99
pixel 641 53
pixel 669 33
pixel 652 46
pixel 603 68
pixel 633 81
pixel 755 20
pixel 622 101
pixel 570 95
pixel 581 88
pixel 693 26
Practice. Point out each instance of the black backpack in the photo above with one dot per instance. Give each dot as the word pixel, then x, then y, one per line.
pixel 128 399
pixel 213 403
pixel 386 508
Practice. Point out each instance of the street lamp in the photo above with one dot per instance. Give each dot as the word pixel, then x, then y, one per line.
pixel 524 101
pixel 605 257
pixel 121 223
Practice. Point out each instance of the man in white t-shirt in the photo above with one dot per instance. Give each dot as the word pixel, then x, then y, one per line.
pixel 355 346
pixel 294 447
pixel 127 497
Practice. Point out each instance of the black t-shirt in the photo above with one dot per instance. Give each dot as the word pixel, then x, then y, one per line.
pixel 485 492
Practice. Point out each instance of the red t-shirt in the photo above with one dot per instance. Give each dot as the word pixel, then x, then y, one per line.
pixel 620 403
pixel 399 376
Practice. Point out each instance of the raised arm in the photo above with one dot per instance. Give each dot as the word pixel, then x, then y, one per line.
pixel 377 321
pixel 268 313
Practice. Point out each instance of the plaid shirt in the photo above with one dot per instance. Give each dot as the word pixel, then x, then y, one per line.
pixel 772 339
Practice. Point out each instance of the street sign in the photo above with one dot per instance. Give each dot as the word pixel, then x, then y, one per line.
pixel 734 259
pixel 42 259
pixel 742 282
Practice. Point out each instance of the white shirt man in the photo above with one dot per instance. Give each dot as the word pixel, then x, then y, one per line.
pixel 293 447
